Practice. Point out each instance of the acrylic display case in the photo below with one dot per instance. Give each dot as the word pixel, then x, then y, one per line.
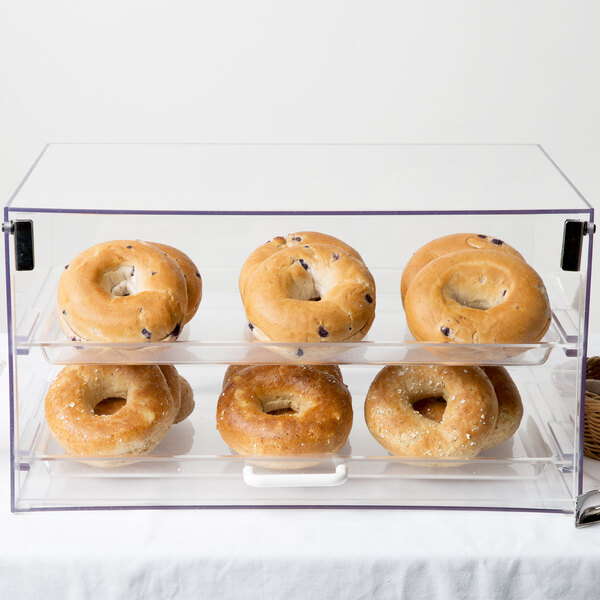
pixel 217 203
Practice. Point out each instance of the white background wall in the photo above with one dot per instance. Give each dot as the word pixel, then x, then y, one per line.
pixel 324 70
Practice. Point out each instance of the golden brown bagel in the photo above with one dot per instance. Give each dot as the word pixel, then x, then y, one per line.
pixel 122 291
pixel 479 296
pixel 187 400
pixel 172 378
pixel 284 410
pixel 290 240
pixel 470 415
pixel 193 280
pixel 181 391
pixel 332 370
pixel 446 244
pixel 134 429
pixel 317 293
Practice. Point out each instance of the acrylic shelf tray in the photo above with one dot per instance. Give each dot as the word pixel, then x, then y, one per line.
pixel 218 334
pixel 192 465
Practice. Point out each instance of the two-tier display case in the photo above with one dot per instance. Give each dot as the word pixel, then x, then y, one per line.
pixel 217 203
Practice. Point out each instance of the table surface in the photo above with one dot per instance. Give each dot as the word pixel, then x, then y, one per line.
pixel 294 553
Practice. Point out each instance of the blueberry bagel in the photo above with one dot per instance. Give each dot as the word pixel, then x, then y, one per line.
pixel 446 244
pixel 300 238
pixel 310 293
pixel 477 296
pixel 122 291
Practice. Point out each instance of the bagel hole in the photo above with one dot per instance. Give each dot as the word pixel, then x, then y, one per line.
pixel 476 291
pixel 278 406
pixel 120 282
pixel 431 408
pixel 109 406
pixel 305 286
pixel 305 290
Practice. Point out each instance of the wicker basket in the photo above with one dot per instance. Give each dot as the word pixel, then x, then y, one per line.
pixel 591 417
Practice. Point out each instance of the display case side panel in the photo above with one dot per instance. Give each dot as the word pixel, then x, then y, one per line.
pixel 10 354
pixel 584 328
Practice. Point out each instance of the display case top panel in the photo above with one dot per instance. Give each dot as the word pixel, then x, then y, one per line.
pixel 302 178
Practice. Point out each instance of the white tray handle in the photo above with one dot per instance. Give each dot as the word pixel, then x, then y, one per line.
pixel 338 477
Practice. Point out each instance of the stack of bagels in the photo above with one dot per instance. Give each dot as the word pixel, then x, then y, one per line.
pixel 307 287
pixel 473 288
pixel 442 411
pixel 128 291
pixel 110 410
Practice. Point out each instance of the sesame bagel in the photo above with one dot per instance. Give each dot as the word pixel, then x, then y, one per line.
pixel 480 296
pixel 172 378
pixel 510 407
pixel 122 291
pixel 310 293
pixel 470 414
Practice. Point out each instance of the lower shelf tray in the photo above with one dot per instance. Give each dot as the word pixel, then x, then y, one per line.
pixel 193 467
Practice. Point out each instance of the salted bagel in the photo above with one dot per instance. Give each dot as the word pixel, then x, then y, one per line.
pixel 290 240
pixel 477 296
pixel 145 410
pixel 469 417
pixel 284 410
pixel 510 407
pixel 450 243
pixel 332 370
pixel 172 378
pixel 122 291
pixel 193 279
pixel 316 293
pixel 181 391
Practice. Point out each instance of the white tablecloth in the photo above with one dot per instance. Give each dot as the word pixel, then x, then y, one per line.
pixel 305 554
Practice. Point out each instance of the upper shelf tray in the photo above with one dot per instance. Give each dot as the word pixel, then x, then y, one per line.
pixel 218 334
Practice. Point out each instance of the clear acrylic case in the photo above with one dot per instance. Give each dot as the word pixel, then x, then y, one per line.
pixel 219 202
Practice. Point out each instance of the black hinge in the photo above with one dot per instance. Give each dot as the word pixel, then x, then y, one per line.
pixel 573 233
pixel 22 230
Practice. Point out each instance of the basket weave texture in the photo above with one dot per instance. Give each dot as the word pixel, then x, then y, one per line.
pixel 591 417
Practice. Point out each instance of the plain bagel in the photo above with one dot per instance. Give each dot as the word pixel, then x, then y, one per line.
pixel 479 296
pixel 284 410
pixel 122 291
pixel 332 370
